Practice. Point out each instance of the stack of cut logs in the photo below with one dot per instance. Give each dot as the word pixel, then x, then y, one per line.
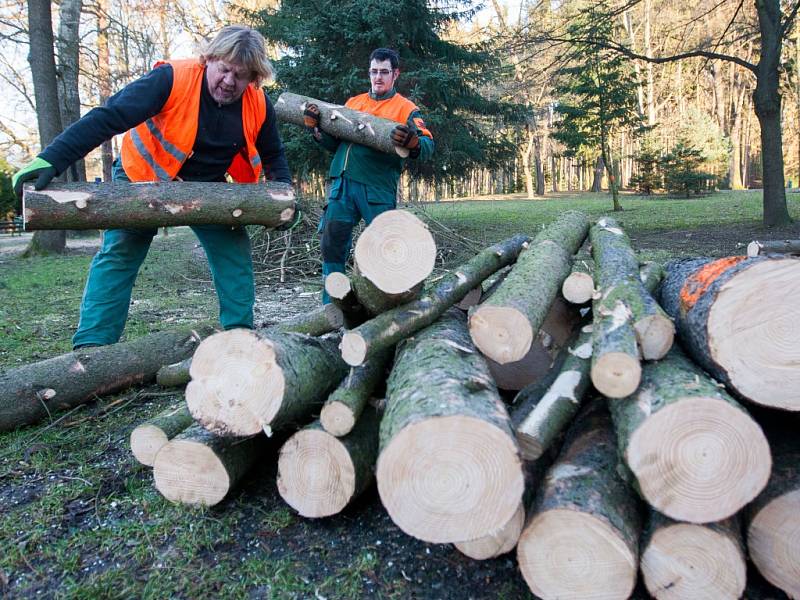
pixel 621 450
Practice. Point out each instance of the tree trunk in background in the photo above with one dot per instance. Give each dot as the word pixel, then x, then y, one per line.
pixel 104 79
pixel 526 165
pixel 68 67
pixel 597 182
pixel 648 51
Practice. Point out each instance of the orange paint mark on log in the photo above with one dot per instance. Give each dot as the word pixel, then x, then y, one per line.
pixel 698 282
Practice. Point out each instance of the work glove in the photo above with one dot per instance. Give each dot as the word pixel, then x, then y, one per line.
pixel 290 225
pixel 40 170
pixel 405 137
pixel 311 116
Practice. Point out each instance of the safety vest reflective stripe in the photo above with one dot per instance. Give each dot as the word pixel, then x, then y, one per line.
pixel 148 158
pixel 176 153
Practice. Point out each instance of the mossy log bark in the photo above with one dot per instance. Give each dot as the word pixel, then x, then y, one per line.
pixel 583 533
pixel 773 518
pixel 344 406
pixel 696 453
pixel 578 287
pixel 756 248
pixel 341 122
pixel 162 204
pixel 197 467
pixel 377 301
pixel 149 437
pixel 551 412
pixel 174 375
pixel 687 561
pixel 319 474
pixel 445 422
pixel 503 326
pixel 740 320
pixel 651 274
pixel 36 391
pixel 341 292
pixel 247 381
pixel 387 329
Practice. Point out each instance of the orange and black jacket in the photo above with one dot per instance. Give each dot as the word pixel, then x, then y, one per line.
pixel 373 167
pixel 227 138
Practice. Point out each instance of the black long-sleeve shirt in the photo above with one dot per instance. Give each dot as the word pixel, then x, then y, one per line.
pixel 220 134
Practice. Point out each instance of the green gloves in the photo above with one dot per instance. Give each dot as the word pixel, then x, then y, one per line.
pixel 40 170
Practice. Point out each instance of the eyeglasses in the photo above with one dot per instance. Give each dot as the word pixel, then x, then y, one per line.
pixel 382 72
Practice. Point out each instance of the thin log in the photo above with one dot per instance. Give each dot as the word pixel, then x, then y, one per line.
pixel 149 437
pixel 756 248
pixel 376 301
pixel 174 375
pixel 36 391
pixel 578 287
pixel 163 204
pixel 340 290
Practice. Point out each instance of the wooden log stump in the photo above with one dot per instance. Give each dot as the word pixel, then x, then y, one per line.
pixel 696 453
pixel 163 204
pixel 756 248
pixel 687 561
pixel 582 537
pixel 342 122
pixel 36 391
pixel 197 467
pixel 739 319
pixel 503 327
pixel 341 292
pixel 149 437
pixel 387 329
pixel 578 287
pixel 244 381
pixel 319 474
pixel 449 468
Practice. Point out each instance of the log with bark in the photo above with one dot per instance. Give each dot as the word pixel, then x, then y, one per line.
pixel 578 287
pixel 503 327
pixel 376 301
pixel 582 538
pixel 319 474
pixel 688 561
pixel 149 437
pixel 739 319
pixel 35 391
pixel 756 248
pixel 245 381
pixel 341 292
pixel 162 204
pixel 493 545
pixel 197 467
pixel 387 329
pixel 696 454
pixel 341 122
pixel 174 375
pixel 449 468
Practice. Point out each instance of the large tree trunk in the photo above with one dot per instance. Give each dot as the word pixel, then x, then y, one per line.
pixel 385 330
pixel 695 452
pixel 33 392
pixel 68 68
pixel 341 122
pixel 503 327
pixel 445 422
pixel 149 437
pixel 582 538
pixel 734 316
pixel 104 79
pixel 171 203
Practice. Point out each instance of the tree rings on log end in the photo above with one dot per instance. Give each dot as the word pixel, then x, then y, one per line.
pixel 655 334
pixel 693 562
pixel 450 479
pixel 395 252
pixel 700 459
pixel 773 540
pixel 146 440
pixel 337 285
pixel 237 386
pixel 316 476
pixel 616 374
pixel 502 333
pixel 190 472
pixel 337 418
pixel 354 349
pixel 498 543
pixel 578 288
pixel 569 554
pixel 753 328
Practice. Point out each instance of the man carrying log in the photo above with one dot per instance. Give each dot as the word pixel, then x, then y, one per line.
pixel 188 120
pixel 363 180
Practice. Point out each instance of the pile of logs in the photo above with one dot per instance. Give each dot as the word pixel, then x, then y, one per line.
pixel 607 451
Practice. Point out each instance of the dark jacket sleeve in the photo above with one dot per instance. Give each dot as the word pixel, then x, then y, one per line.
pixel 132 105
pixel 270 148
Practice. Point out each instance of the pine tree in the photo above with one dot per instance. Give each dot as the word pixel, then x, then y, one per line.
pixel 682 170
pixel 648 168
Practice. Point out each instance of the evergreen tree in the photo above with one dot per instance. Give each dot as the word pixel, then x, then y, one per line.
pixel 682 170
pixel 325 48
pixel 648 173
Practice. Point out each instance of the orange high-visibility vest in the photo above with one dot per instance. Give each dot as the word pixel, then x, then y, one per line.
pixel 156 149
pixel 397 108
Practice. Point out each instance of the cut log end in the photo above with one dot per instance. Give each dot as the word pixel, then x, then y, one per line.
pixel 498 543
pixel 396 251
pixel 655 334
pixel 529 446
pixel 567 554
pixel 316 475
pixel 616 374
pixel 699 459
pixel 450 479
pixel 146 440
pixel 578 288
pixel 692 562
pixel 753 328
pixel 502 333
pixel 402 152
pixel 337 418
pixel 189 472
pixel 287 214
pixel 337 285
pixel 237 386
pixel 753 249
pixel 773 540
pixel 354 349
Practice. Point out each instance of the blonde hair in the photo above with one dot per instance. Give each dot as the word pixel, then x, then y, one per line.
pixel 241 45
